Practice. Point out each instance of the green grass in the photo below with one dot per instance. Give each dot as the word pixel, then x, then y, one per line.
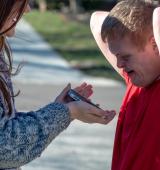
pixel 73 40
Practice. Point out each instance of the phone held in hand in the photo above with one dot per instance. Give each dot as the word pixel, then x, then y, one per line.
pixel 77 97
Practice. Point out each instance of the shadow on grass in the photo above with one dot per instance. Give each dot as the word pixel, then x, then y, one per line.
pixel 70 34
pixel 82 54
pixel 102 71
pixel 72 39
pixel 91 62
pixel 86 57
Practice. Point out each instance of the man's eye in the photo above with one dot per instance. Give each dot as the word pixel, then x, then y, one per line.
pixel 126 57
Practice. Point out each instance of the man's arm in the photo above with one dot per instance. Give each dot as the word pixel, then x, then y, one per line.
pixel 96 22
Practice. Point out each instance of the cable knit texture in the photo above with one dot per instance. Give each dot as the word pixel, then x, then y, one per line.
pixel 24 136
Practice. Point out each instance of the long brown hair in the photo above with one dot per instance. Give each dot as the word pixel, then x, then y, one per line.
pixel 6 11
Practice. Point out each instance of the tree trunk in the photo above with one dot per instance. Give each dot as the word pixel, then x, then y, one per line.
pixel 42 5
pixel 75 6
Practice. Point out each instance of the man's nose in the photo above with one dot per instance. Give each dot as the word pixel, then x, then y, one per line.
pixel 120 63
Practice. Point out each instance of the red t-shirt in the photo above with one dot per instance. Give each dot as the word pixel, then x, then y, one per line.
pixel 137 139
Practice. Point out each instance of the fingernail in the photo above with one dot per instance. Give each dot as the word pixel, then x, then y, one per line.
pixel 110 115
pixel 114 112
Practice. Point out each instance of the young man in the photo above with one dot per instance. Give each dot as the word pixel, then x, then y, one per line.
pixel 126 39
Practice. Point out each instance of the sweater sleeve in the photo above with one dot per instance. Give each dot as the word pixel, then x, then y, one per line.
pixel 25 136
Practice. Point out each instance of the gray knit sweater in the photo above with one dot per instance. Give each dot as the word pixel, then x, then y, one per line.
pixel 24 136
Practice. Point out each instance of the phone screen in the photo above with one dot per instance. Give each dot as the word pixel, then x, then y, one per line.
pixel 77 97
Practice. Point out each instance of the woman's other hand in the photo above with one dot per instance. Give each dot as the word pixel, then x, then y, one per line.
pixel 89 114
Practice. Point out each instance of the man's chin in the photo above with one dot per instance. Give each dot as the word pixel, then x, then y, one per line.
pixel 140 84
pixel 136 82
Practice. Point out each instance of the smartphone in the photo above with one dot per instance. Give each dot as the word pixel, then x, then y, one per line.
pixel 77 97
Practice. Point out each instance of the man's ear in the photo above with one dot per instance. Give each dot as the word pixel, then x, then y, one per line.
pixel 156 26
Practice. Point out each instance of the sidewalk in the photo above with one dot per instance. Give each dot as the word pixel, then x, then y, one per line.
pixel 81 146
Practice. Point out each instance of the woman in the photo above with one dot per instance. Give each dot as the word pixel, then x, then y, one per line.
pixel 23 137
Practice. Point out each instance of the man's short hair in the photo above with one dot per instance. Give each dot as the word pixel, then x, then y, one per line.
pixel 132 18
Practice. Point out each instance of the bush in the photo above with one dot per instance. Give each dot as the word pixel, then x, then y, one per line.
pixel 56 4
pixel 98 4
pixel 87 5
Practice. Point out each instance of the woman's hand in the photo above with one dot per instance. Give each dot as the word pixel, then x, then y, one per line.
pixel 84 90
pixel 62 96
pixel 89 114
pixel 83 111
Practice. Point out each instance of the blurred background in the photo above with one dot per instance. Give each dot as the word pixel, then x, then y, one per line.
pixel 55 44
pixel 64 24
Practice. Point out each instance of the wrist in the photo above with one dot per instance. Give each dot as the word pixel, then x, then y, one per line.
pixel 72 109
